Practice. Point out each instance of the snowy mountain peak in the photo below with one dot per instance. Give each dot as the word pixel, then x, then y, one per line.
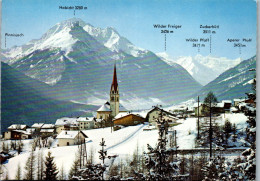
pixel 204 69
pixel 112 40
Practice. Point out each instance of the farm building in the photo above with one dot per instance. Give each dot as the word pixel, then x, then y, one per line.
pixel 67 138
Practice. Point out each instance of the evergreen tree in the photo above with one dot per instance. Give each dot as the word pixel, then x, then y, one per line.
pixel 248 166
pixel 102 152
pixel 6 175
pixel 30 167
pixel 20 147
pixel 74 171
pixel 227 130
pixel 40 166
pixel 91 171
pixel 157 159
pixel 18 175
pixel 62 175
pixel 51 170
pixel 209 101
pixel 91 156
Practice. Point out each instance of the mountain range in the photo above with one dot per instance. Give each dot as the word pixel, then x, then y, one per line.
pixel 77 59
pixel 204 69
pixel 68 72
pixel 233 83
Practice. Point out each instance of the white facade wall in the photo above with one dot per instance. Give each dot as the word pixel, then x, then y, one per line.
pixel 7 135
pixel 70 141
pixel 83 125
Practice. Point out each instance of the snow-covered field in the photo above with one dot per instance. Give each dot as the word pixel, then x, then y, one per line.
pixel 122 142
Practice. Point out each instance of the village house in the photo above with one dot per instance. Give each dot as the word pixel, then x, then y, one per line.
pixel 110 109
pixel 217 108
pixel 17 131
pixel 37 126
pixel 154 114
pixel 198 108
pixel 85 123
pixel 67 138
pixel 17 127
pixel 237 101
pixel 47 130
pixel 17 135
pixel 128 119
pixel 67 124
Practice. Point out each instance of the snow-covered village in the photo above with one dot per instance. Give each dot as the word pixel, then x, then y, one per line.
pixel 83 102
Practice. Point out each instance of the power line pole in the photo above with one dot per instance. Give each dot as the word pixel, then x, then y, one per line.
pixel 210 131
pixel 198 136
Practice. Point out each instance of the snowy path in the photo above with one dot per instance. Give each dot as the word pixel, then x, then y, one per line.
pixel 127 138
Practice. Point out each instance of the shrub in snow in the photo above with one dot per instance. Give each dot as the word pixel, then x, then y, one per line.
pixel 91 172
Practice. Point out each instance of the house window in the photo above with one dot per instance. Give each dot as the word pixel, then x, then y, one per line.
pixel 68 143
pixel 117 99
pixel 112 99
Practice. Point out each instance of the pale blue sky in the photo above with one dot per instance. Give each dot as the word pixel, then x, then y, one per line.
pixel 134 19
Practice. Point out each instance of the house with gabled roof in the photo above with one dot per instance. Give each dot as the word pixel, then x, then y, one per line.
pixel 154 114
pixel 68 138
pixel 128 119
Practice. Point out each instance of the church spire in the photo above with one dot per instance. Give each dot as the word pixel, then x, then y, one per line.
pixel 114 84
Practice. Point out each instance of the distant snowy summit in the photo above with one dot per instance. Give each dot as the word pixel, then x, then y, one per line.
pixel 204 69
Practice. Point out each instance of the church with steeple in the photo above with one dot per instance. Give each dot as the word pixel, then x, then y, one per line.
pixel 111 108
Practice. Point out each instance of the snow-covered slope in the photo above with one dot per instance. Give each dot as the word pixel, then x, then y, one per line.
pixel 204 69
pixel 123 143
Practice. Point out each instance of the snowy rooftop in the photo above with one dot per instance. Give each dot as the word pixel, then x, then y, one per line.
pixel 104 108
pixel 66 120
pixel 196 104
pixel 220 104
pixel 30 130
pixel 85 119
pixel 47 130
pixel 22 131
pixel 120 115
pixel 233 109
pixel 37 125
pixel 69 134
pixel 98 120
pixel 17 126
pixel 239 100
pixel 46 126
pixel 227 101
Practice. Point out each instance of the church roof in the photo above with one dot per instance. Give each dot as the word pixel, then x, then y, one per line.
pixel 114 82
pixel 104 108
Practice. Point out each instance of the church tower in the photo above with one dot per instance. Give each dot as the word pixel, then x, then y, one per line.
pixel 114 95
